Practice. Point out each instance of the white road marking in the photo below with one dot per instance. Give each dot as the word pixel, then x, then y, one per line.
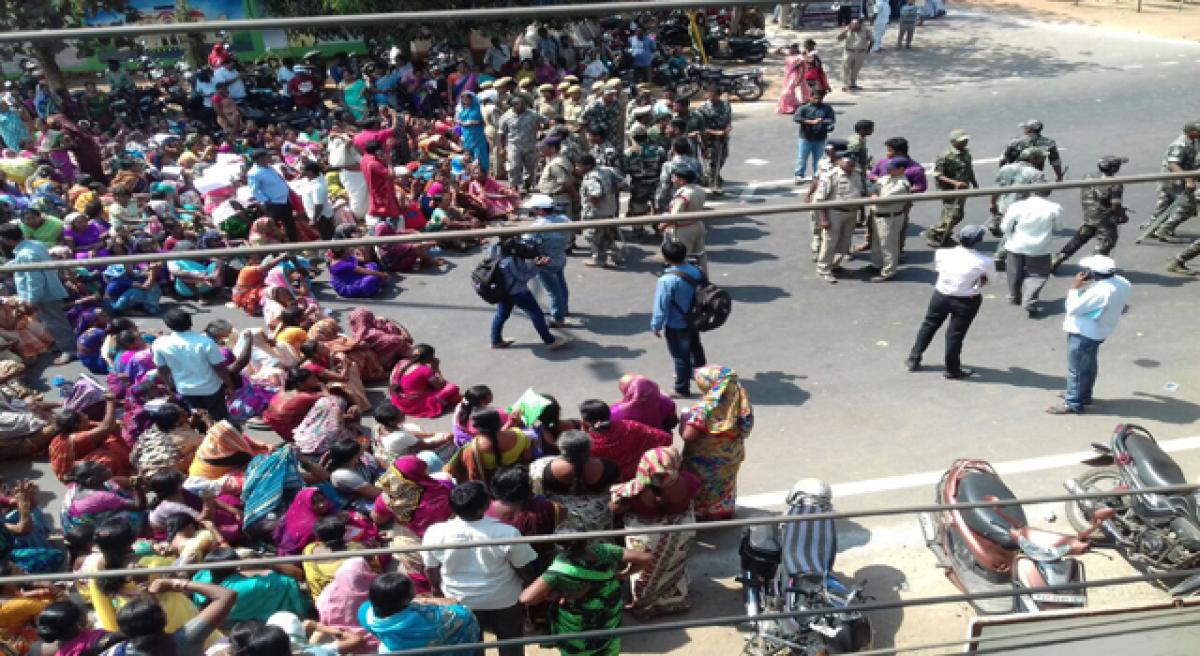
pixel 754 161
pixel 1170 63
pixel 929 478
pixel 1133 67
pixel 748 191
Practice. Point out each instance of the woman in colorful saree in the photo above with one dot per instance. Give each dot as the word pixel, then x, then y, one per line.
pixel 714 432
pixel 659 495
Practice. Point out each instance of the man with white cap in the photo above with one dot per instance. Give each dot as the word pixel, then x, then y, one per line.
pixel 1095 304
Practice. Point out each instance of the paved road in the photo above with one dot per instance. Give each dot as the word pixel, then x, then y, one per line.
pixel 823 364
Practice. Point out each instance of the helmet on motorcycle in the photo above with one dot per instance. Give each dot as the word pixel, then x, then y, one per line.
pixel 810 488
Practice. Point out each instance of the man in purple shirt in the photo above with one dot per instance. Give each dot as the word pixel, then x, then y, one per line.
pixel 915 172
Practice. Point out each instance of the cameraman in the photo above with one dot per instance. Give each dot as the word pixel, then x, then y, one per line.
pixel 1095 303
pixel 519 262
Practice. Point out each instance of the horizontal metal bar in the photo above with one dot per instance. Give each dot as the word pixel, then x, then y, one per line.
pixel 591 535
pixel 727 620
pixel 707 216
pixel 342 21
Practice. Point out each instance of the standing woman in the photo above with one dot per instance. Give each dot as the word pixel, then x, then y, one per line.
pixel 813 73
pixel 660 495
pixel 793 74
pixel 714 434
pixel 470 119
pixel 585 593
pixel 85 147
pixel 354 94
pixel 55 145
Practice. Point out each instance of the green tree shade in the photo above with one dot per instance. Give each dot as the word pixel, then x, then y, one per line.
pixel 455 32
pixel 23 15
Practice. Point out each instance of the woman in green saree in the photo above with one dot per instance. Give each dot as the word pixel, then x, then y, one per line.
pixel 584 593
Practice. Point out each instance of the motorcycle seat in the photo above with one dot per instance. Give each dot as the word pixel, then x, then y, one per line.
pixel 977 487
pixel 1154 467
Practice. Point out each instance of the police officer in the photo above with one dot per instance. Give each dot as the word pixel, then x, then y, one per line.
pixel 1178 196
pixel 643 162
pixel 1103 210
pixel 682 157
pixel 834 150
pixel 572 106
pixel 517 131
pixel 718 123
pixel 557 179
pixel 1026 170
pixel 1033 139
pixel 548 104
pixel 953 170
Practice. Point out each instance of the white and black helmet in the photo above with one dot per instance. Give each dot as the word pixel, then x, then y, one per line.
pixel 810 488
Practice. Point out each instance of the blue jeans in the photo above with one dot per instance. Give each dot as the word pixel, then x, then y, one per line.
pixel 687 352
pixel 807 149
pixel 529 304
pixel 555 282
pixel 1083 365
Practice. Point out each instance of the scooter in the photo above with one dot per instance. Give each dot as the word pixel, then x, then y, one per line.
pixel 805 582
pixel 1159 532
pixel 992 549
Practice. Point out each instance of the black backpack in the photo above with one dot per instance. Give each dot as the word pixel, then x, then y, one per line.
pixel 711 305
pixel 488 279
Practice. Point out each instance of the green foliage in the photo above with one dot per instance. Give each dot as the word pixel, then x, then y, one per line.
pixel 50 15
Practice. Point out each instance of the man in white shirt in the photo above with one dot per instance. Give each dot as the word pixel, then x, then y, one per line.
pixel 1028 226
pixel 314 193
pixel 488 580
pixel 1095 304
pixel 191 365
pixel 496 56
pixel 962 273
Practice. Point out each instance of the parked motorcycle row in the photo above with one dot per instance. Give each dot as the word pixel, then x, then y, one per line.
pixel 986 549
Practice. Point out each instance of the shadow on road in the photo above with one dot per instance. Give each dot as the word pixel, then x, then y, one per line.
pixel 1153 407
pixel 882 585
pixel 775 388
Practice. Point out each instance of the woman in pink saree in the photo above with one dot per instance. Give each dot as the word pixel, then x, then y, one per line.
pixel 803 74
pixel 498 201
pixel 417 387
pixel 338 603
pixel 793 73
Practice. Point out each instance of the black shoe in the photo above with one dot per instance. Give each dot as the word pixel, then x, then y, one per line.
pixel 913 364
pixel 958 375
pixel 1001 265
pixel 1032 311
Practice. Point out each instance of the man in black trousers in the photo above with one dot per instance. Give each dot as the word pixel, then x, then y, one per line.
pixel 962 273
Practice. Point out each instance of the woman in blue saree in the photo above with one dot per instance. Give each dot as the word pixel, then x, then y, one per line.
pixel 401 622
pixel 470 119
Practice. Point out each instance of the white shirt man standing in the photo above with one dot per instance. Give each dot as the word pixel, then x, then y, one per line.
pixel 1028 227
pixel 1094 306
pixel 488 580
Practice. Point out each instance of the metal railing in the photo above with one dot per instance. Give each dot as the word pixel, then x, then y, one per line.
pixel 707 216
pixel 373 20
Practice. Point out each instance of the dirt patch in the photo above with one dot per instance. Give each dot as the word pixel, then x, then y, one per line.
pixel 1159 18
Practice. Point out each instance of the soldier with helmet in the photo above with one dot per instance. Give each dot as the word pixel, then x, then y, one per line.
pixel 643 162
pixel 1178 197
pixel 1033 139
pixel 1103 210
pixel 953 170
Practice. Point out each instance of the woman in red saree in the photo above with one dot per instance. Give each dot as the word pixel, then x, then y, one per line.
pixel 417 387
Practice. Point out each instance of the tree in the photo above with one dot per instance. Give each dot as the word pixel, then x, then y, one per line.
pixel 19 15
pixel 455 32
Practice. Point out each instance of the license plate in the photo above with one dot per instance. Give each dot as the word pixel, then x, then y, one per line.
pixel 1074 600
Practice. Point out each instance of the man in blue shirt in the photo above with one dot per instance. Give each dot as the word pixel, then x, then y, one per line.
pixel 41 289
pixel 553 249
pixel 673 296
pixel 816 121
pixel 271 191
pixel 520 263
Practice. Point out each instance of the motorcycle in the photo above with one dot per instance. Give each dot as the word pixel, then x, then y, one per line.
pixel 1158 532
pixel 994 549
pixel 752 48
pixel 806 551
pixel 746 84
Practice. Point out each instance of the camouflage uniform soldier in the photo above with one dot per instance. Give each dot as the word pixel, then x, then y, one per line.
pixel 598 192
pixel 953 170
pixel 1103 210
pixel 643 162
pixel 1026 170
pixel 681 158
pixel 1178 196
pixel 1033 139
pixel 601 149
pixel 718 122
pixel 596 115
pixel 643 101
pixel 657 133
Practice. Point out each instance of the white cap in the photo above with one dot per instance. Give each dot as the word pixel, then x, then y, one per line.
pixel 539 202
pixel 1098 263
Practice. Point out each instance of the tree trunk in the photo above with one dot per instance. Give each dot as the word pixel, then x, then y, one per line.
pixel 197 53
pixel 45 57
